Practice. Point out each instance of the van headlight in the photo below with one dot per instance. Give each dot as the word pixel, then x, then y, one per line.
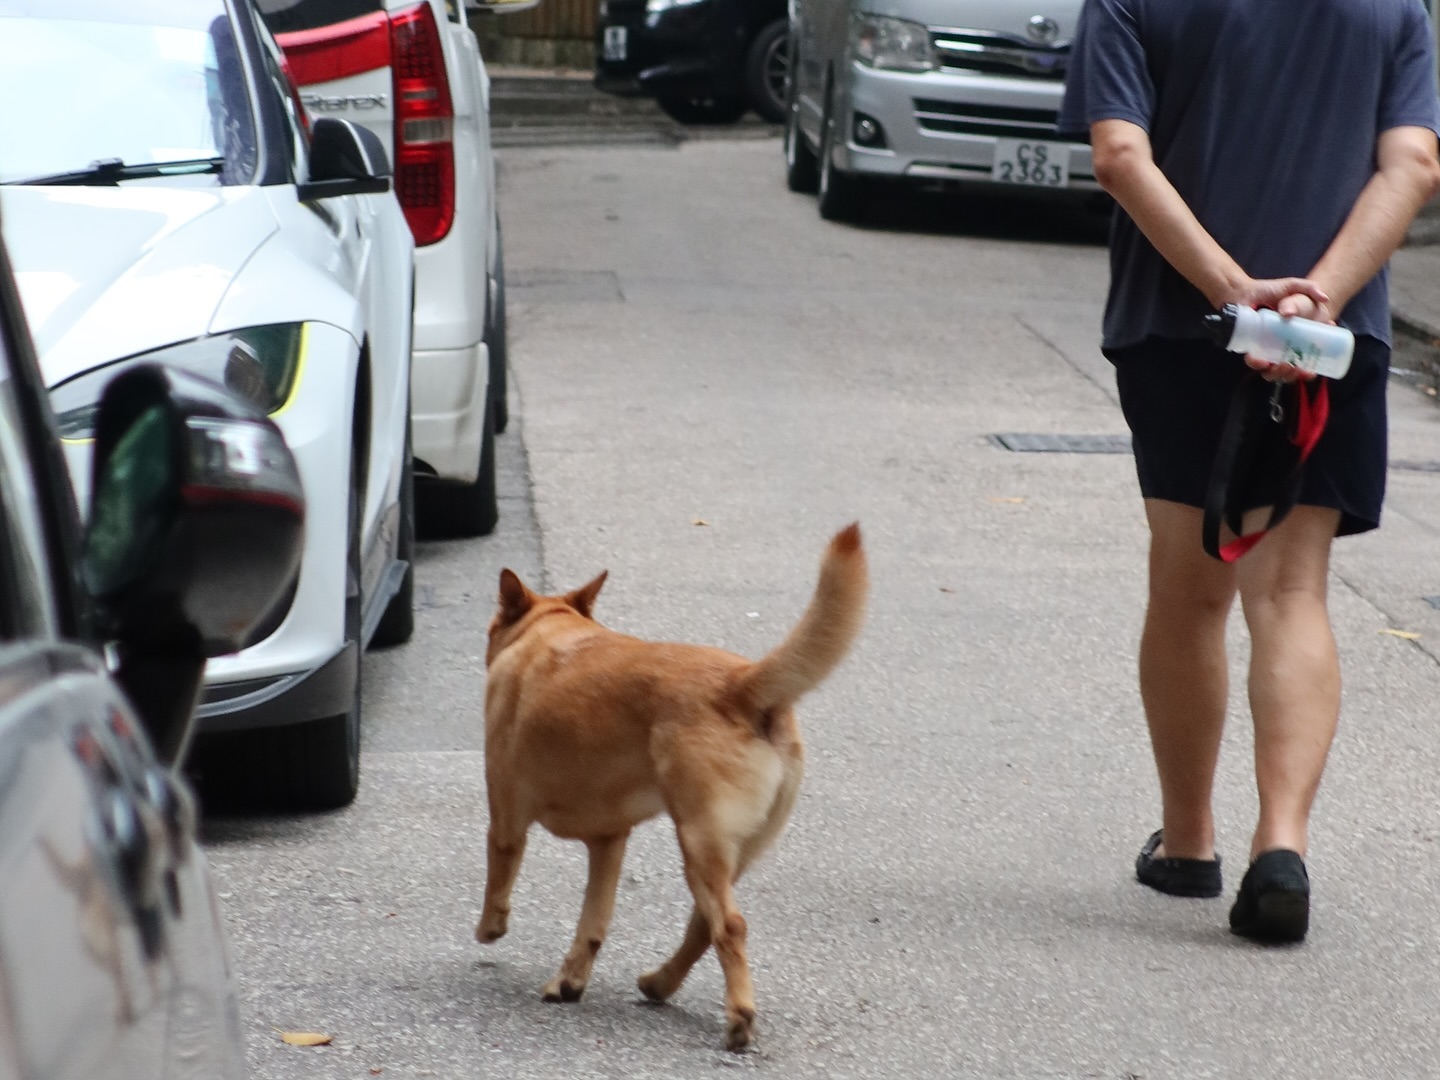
pixel 260 365
pixel 880 41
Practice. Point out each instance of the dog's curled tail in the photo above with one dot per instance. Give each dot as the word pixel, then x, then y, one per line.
pixel 824 633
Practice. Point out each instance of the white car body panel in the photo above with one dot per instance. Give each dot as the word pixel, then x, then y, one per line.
pixel 108 272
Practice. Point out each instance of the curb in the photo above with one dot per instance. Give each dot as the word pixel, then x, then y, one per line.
pixel 1421 343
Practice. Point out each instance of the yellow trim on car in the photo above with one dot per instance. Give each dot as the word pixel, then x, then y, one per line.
pixel 302 350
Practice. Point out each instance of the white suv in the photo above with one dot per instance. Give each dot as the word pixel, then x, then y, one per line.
pixel 411 72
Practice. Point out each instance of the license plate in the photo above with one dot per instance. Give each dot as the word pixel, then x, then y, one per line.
pixel 613 47
pixel 1034 164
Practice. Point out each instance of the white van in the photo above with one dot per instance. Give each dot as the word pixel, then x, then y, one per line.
pixel 952 90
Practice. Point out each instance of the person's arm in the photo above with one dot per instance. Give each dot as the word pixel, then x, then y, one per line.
pixel 1406 178
pixel 1125 167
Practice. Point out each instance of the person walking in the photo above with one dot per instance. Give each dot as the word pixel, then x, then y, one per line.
pixel 1271 155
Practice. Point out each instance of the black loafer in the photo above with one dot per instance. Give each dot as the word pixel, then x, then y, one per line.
pixel 1273 905
pixel 1177 877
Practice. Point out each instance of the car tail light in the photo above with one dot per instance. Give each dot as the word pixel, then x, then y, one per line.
pixel 424 124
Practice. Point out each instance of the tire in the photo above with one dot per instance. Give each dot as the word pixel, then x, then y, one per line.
pixel 449 510
pixel 308 766
pixel 706 110
pixel 802 168
pixel 841 195
pixel 767 65
pixel 397 625
pixel 499 340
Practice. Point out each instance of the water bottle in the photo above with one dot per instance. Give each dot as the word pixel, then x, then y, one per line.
pixel 1303 343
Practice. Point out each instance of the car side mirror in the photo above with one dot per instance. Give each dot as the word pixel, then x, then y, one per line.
pixel 345 159
pixel 194 536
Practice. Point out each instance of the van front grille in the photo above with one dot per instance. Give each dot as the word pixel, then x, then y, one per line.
pixel 990 53
pixel 997 120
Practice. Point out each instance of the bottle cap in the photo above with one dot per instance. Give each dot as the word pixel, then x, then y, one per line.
pixel 1221 327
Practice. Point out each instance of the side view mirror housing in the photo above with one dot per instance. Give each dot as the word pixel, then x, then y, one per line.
pixel 345 159
pixel 194 537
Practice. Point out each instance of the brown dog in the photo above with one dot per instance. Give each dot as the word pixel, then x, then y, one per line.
pixel 590 732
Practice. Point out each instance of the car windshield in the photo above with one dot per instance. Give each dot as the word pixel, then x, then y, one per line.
pixel 125 85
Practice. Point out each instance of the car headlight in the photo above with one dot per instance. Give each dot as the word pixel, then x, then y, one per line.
pixel 892 44
pixel 260 365
pixel 655 7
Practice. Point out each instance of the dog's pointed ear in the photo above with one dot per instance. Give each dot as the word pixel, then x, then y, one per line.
pixel 583 598
pixel 515 598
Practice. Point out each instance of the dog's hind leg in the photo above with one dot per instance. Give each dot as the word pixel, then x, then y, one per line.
pixel 659 984
pixel 504 850
pixel 711 863
pixel 606 856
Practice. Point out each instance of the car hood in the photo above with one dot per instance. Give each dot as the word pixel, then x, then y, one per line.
pixel 1000 16
pixel 108 272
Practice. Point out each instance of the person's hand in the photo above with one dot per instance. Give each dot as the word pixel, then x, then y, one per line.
pixel 1272 292
pixel 1299 298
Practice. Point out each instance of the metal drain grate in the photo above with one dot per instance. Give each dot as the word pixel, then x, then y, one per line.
pixel 1062 444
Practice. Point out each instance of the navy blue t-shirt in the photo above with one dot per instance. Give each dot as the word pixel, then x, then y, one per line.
pixel 1264 114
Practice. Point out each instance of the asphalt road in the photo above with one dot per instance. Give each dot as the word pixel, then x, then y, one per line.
pixel 711 380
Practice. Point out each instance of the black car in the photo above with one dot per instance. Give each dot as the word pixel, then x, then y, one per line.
pixel 112 956
pixel 703 61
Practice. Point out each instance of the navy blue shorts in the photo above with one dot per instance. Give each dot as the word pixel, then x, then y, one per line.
pixel 1175 395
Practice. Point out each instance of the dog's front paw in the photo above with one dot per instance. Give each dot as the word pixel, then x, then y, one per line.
pixel 739 1029
pixel 492 926
pixel 561 989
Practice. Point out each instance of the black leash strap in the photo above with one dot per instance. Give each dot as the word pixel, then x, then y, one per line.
pixel 1261 459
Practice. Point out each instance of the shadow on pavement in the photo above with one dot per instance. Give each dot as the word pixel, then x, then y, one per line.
pixel 965 212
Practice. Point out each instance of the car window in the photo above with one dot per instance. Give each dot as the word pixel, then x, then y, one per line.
pixel 116 87
pixel 287 16
pixel 27 609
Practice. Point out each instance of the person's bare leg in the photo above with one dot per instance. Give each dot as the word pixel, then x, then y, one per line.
pixel 1184 678
pixel 1294 672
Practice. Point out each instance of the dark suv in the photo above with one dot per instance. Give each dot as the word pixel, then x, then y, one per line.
pixel 703 61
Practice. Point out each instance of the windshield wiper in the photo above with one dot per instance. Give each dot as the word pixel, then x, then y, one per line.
pixel 113 170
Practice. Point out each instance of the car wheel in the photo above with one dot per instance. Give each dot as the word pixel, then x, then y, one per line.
pixel 313 765
pixel 397 625
pixel 802 170
pixel 448 510
pixel 709 110
pixel 499 340
pixel 767 65
pixel 841 194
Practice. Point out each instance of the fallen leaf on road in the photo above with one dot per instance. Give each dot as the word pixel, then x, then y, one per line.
pixel 376 1071
pixel 304 1038
pixel 699 521
pixel 1408 635
pixel 944 589
pixel 1007 499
